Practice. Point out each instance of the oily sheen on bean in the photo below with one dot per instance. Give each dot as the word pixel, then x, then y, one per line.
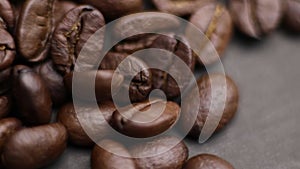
pixel 207 161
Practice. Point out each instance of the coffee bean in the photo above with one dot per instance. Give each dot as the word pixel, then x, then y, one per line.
pixel 180 8
pixel 34 148
pixel 34 29
pixel 159 154
pixel 214 20
pixel 256 18
pixel 7 49
pixel 136 121
pixel 111 155
pixel 54 81
pixel 292 15
pixel 140 85
pixel 231 98
pixel 32 96
pixel 103 84
pixel 8 127
pixel 90 119
pixel 179 47
pixel 207 161
pixel 5 80
pixel 61 7
pixel 114 9
pixel 5 105
pixel 7 15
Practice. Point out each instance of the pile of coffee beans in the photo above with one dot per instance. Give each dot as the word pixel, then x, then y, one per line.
pixel 41 40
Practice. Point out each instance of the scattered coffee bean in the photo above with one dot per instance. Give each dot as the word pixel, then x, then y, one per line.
pixel 207 161
pixel 71 34
pixel 34 29
pixel 292 15
pixel 34 148
pixel 8 127
pixel 61 7
pixel 7 49
pixel 138 122
pixel 5 105
pixel 111 155
pixel 229 92
pixel 256 18
pixel 32 96
pixel 7 15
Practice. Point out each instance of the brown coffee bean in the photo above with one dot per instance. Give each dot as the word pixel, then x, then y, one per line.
pixel 89 119
pixel 5 80
pixel 7 15
pixel 70 36
pixel 54 81
pixel 207 161
pixel 34 148
pixel 61 7
pixel 114 9
pixel 179 47
pixel 292 15
pixel 230 92
pixel 111 155
pixel 103 84
pixel 34 29
pixel 159 155
pixel 7 49
pixel 214 20
pixel 137 122
pixel 5 105
pixel 32 96
pixel 8 127
pixel 256 18
pixel 180 8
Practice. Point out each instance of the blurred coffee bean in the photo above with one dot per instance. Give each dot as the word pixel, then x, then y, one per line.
pixel 7 49
pixel 5 80
pixel 103 84
pixel 34 29
pixel 207 161
pixel 71 34
pixel 140 86
pixel 292 15
pixel 180 8
pixel 89 118
pixel 7 15
pixel 214 20
pixel 138 122
pixel 34 148
pixel 111 155
pixel 159 154
pixel 114 9
pixel 54 81
pixel 207 105
pixel 256 18
pixel 61 7
pixel 5 105
pixel 32 96
pixel 8 127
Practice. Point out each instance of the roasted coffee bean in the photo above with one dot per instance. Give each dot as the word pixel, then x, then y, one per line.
pixel 54 81
pixel 159 154
pixel 207 161
pixel 179 47
pixel 32 96
pixel 8 127
pixel 70 36
pixel 7 49
pixel 136 121
pixel 5 105
pixel 103 84
pixel 7 15
pixel 114 9
pixel 89 119
pixel 61 7
pixel 34 29
pixel 5 80
pixel 140 86
pixel 34 148
pixel 180 8
pixel 292 15
pixel 214 20
pixel 231 98
pixel 111 155
pixel 256 18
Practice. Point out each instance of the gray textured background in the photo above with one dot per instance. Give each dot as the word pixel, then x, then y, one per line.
pixel 265 132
